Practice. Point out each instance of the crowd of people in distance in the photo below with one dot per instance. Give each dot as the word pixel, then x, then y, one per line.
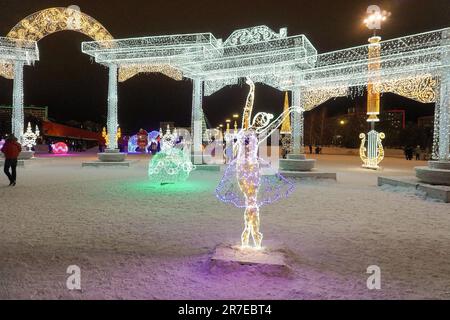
pixel 411 152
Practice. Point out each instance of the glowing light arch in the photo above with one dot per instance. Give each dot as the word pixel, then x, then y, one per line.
pixel 45 22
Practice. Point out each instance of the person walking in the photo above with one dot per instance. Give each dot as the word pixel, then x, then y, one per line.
pixel 418 151
pixel 11 149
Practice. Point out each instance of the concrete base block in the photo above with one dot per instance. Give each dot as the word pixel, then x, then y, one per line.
pixel 207 167
pixel 441 193
pixel 197 159
pixel 295 163
pixel 99 164
pixel 442 165
pixel 26 155
pixel 293 156
pixel 309 175
pixel 433 176
pixel 112 156
pixel 271 259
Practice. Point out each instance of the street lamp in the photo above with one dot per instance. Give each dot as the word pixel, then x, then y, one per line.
pixel 373 154
pixel 228 121
pixel 375 18
pixel 235 117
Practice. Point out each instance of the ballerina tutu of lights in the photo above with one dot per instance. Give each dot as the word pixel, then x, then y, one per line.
pixel 173 163
pixel 243 183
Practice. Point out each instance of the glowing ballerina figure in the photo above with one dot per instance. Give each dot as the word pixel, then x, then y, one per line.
pixel 243 183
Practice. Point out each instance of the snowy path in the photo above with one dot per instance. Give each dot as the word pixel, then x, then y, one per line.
pixel 134 241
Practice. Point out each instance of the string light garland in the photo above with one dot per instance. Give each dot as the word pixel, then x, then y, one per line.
pixel 127 72
pixel 45 22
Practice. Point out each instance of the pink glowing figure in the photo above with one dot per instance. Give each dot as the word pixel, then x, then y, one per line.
pixel 60 148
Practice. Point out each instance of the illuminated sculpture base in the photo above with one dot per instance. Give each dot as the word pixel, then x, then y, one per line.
pixel 414 185
pixel 437 173
pixel 26 155
pixel 112 156
pixel 270 259
pixel 297 162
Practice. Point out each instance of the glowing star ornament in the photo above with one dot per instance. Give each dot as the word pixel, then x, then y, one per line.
pixel 374 153
pixel 172 164
pixel 60 148
pixel 29 137
pixel 243 183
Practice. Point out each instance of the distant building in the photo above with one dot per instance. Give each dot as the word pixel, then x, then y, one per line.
pixel 395 118
pixel 425 122
pixel 49 130
pixel 32 114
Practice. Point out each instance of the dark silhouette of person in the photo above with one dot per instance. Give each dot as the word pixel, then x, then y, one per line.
pixel 11 149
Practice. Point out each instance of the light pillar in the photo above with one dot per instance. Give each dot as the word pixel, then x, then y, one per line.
pixel 197 120
pixel 17 120
pixel 112 122
pixel 443 105
pixel 297 124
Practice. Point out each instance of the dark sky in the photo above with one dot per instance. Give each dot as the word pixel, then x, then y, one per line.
pixel 75 88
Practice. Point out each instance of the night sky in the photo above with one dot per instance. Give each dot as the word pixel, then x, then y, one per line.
pixel 75 88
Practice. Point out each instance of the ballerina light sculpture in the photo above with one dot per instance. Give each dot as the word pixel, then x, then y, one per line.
pixel 243 183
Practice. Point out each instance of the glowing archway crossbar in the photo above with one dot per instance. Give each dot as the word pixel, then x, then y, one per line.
pixel 45 22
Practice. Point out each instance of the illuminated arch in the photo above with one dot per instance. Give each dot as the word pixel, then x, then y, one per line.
pixel 45 22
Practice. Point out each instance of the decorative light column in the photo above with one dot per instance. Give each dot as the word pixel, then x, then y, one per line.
pixel 112 122
pixel 197 119
pixel 17 111
pixel 374 153
pixel 297 124
pixel 443 105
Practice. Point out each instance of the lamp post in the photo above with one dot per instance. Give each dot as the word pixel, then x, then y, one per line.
pixel 235 117
pixel 228 121
pixel 373 154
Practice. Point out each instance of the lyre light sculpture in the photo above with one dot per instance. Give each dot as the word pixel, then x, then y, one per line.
pixel 243 183
pixel 373 154
pixel 29 137
pixel 172 164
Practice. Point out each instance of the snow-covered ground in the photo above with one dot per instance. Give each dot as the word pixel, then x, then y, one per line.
pixel 132 240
